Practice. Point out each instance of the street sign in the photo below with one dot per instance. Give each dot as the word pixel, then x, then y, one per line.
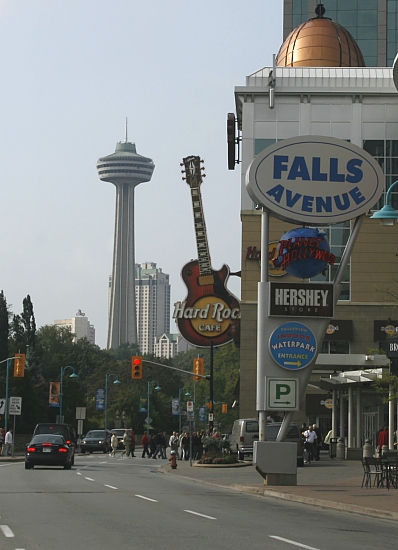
pixel 301 300
pixel 189 406
pixel 15 405
pixel 2 405
pixel 293 345
pixel 80 413
pixel 282 395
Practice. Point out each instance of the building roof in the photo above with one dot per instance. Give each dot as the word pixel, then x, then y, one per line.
pixel 320 42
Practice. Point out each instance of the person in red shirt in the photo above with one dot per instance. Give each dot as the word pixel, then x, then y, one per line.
pixel 145 444
pixel 382 439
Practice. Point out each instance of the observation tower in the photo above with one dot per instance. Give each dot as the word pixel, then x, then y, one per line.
pixel 126 169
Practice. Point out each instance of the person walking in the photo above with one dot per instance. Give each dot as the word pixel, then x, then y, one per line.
pixel 152 446
pixel 173 442
pixel 145 446
pixel 132 442
pixel 114 444
pixel 126 442
pixel 8 443
pixel 310 438
pixel 159 445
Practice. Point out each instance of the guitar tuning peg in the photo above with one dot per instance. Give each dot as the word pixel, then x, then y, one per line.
pixel 202 168
pixel 182 171
pixel 181 164
pixel 183 179
pixel 203 175
pixel 201 160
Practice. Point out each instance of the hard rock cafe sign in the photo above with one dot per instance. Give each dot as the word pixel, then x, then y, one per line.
pixel 210 314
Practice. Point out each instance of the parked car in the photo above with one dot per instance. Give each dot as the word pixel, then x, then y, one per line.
pixel 245 432
pixel 58 429
pixel 48 450
pixel 96 440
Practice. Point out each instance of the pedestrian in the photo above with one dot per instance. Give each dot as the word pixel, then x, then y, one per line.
pixel 1 441
pixel 165 444
pixel 132 443
pixel 8 443
pixel 159 445
pixel 318 442
pixel 126 442
pixel 114 444
pixel 152 446
pixel 185 446
pixel 310 437
pixel 173 442
pixel 145 446
pixel 382 439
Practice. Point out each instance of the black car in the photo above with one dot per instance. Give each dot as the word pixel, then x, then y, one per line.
pixel 96 440
pixel 58 429
pixel 48 450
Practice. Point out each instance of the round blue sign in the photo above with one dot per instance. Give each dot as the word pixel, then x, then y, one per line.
pixel 292 346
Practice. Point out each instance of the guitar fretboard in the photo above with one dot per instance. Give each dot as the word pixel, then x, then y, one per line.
pixel 201 235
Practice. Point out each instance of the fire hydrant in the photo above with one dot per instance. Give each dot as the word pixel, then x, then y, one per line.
pixel 173 460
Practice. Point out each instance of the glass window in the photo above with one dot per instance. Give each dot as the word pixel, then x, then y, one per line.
pixel 261 144
pixel 338 346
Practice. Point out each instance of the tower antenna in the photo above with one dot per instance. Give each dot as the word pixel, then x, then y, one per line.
pixel 126 130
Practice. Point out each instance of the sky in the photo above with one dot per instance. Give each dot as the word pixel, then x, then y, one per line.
pixel 71 72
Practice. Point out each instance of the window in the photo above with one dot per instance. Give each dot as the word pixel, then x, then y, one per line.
pixel 386 154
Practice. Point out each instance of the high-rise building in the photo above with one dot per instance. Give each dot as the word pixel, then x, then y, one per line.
pixel 79 326
pixel 126 169
pixel 152 290
pixel 373 24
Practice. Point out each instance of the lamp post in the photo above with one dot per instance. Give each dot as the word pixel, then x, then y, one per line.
pixel 8 361
pixel 387 215
pixel 117 381
pixel 179 402
pixel 157 388
pixel 73 375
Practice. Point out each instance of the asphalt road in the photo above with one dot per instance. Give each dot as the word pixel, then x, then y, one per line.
pixel 107 503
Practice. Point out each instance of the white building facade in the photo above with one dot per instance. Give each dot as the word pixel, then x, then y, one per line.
pixel 79 326
pixel 152 292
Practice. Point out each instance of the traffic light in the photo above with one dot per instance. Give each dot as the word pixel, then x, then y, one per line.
pixel 136 367
pixel 224 408
pixel 19 365
pixel 198 367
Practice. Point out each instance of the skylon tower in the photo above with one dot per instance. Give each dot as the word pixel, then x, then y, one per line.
pixel 126 169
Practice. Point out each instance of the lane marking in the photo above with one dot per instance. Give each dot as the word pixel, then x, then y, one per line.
pixel 6 531
pixel 79 473
pixel 89 479
pixel 197 514
pixel 110 486
pixel 146 498
pixel 294 543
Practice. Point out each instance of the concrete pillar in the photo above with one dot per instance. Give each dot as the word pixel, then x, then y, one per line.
pixel 359 417
pixel 334 413
pixel 350 417
pixel 391 407
pixel 342 415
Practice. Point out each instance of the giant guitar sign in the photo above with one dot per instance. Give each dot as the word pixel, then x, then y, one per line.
pixel 210 314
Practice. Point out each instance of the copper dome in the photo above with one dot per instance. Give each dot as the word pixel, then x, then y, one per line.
pixel 320 42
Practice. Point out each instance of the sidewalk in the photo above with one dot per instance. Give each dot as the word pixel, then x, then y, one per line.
pixel 334 484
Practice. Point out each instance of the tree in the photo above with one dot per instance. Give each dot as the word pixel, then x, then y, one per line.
pixel 4 327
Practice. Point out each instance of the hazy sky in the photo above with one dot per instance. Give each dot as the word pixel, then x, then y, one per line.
pixel 71 72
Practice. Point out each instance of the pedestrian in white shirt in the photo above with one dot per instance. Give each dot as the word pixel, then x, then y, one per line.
pixel 8 443
pixel 309 445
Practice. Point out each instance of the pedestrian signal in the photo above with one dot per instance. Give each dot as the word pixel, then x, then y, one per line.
pixel 136 367
pixel 19 365
pixel 224 408
pixel 198 367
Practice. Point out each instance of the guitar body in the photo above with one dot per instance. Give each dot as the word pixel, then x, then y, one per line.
pixel 213 311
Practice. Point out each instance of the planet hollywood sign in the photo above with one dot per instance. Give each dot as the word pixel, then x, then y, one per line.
pixel 315 180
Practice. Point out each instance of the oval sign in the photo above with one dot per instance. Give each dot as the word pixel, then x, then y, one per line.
pixel 293 345
pixel 315 180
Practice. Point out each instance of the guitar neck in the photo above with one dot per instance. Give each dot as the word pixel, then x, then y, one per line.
pixel 201 237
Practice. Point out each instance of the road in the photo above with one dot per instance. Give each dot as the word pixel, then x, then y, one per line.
pixel 106 502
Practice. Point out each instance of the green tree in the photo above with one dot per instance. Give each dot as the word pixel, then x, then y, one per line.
pixel 4 327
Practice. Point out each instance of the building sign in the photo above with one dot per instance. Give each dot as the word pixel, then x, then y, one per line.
pixel 100 399
pixel 383 329
pixel 282 395
pixel 392 347
pixel 315 179
pixel 253 254
pixel 301 299
pixel 293 346
pixel 53 399
pixel 339 330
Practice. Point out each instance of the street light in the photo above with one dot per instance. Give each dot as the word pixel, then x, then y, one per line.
pixel 117 381
pixel 157 388
pixel 387 215
pixel 73 375
pixel 179 402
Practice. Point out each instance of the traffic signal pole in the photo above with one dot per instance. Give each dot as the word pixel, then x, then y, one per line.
pixel 211 412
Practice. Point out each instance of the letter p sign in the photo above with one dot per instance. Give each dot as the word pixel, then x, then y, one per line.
pixel 281 395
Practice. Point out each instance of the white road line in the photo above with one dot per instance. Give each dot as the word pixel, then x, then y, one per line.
pixel 6 531
pixel 146 498
pixel 110 486
pixel 197 514
pixel 294 543
pixel 78 473
pixel 89 479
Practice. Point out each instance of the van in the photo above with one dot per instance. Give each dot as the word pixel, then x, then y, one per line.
pixel 58 429
pixel 245 432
